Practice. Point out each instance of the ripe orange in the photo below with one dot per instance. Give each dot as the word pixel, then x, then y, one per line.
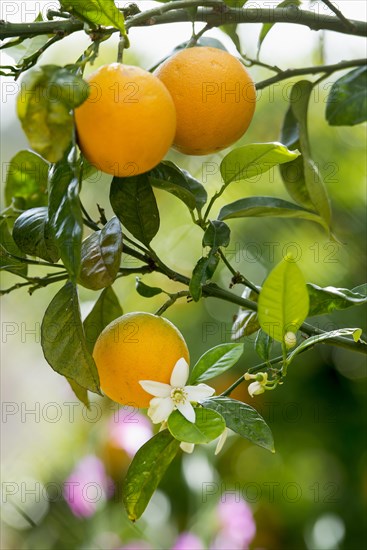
pixel 214 97
pixel 137 346
pixel 128 122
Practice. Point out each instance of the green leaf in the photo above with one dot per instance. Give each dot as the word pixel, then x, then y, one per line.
pixel 208 426
pixel 146 471
pixel 354 332
pixel 27 180
pixel 243 419
pixel 63 340
pixel 347 100
pixel 216 361
pixel 96 12
pixel 325 300
pixel 133 201
pixel 101 256
pixel 33 235
pixel 7 247
pixel 106 309
pixel 263 344
pixel 203 271
pixel 246 321
pixel 65 216
pixel 254 159
pixel 260 207
pixel 21 52
pixel 283 302
pixel 80 392
pixel 44 105
pixel 266 27
pixel 169 177
pixel 217 234
pixel 145 290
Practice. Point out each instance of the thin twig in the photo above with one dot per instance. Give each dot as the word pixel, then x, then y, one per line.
pixel 348 24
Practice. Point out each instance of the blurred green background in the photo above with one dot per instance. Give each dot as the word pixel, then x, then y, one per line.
pixel 312 492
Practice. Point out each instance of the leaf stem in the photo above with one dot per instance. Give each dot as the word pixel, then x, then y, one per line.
pixel 237 276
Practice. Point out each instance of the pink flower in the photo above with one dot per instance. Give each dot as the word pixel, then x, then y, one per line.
pixel 129 430
pixel 237 525
pixel 87 487
pixel 188 541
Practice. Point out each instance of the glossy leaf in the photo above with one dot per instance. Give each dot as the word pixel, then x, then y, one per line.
pixel 101 256
pixel 243 419
pixel 146 471
pixel 283 302
pixel 44 104
pixel 145 290
pixel 347 100
pixel 27 180
pixel 208 426
pixel 254 159
pixel 133 202
pixel 216 361
pixel 33 235
pixel 8 249
pixel 106 309
pixel 63 340
pixel 96 12
pixel 65 215
pixel 260 207
pixel 217 234
pixel 203 271
pixel 263 344
pixel 354 332
pixel 327 299
pixel 246 321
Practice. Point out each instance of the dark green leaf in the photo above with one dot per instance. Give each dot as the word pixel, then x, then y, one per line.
pixel 216 361
pixel 254 159
pixel 145 290
pixel 246 322
pixel 27 180
pixel 80 392
pixel 208 426
pixel 96 12
pixel 267 206
pixel 146 471
pixel 8 249
pixel 325 300
pixel 63 340
pixel 263 345
pixel 217 234
pixel 65 216
pixel 106 309
pixel 203 271
pixel 243 419
pixel 101 256
pixel 33 235
pixel 133 202
pixel 347 100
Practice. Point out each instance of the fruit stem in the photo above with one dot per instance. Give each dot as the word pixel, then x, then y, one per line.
pixel 121 48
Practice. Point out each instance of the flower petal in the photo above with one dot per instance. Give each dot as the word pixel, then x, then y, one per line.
pixel 158 389
pixel 199 393
pixel 255 388
pixel 180 374
pixel 187 410
pixel 160 409
pixel 187 447
pixel 221 441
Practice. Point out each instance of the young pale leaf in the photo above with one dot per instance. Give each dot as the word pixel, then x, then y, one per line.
pixel 145 290
pixel 217 234
pixel 325 300
pixel 260 207
pixel 266 27
pixel 354 332
pixel 101 256
pixel 347 100
pixel 263 345
pixel 216 361
pixel 63 340
pixel 8 249
pixel 254 159
pixel 33 235
pixel 106 309
pixel 283 302
pixel 146 471
pixel 203 271
pixel 243 419
pixel 65 216
pixel 208 426
pixel 97 12
pixel 27 180
pixel 80 392
pixel 133 201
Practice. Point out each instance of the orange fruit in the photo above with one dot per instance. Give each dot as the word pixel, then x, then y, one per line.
pixel 128 122
pixel 214 97
pixel 137 346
